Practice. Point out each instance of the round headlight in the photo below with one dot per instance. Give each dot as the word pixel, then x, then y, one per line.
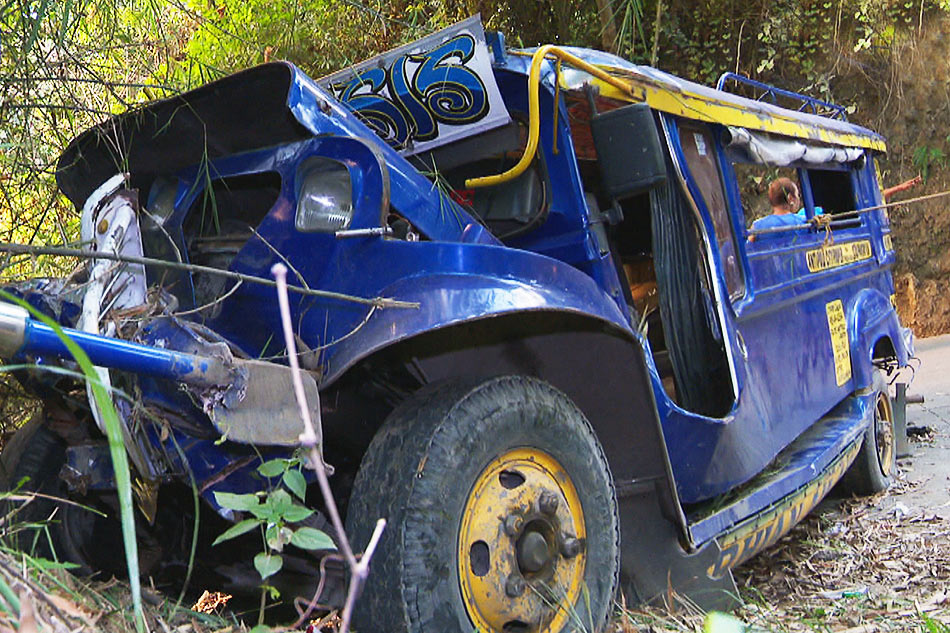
pixel 325 202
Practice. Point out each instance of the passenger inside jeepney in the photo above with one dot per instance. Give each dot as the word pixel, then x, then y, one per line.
pixel 785 200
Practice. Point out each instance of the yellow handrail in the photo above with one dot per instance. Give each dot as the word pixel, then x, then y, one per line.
pixel 534 123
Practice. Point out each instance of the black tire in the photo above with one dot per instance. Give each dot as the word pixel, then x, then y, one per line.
pixel 34 456
pixel 438 454
pixel 875 466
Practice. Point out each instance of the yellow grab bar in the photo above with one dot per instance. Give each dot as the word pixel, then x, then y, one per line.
pixel 534 123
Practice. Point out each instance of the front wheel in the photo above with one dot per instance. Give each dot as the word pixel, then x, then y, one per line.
pixel 501 509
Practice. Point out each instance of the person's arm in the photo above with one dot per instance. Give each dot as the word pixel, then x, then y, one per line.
pixel 904 186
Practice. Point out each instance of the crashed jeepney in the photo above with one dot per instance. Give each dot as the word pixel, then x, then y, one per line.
pixel 540 337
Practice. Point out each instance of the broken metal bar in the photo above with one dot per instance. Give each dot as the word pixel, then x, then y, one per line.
pixel 21 334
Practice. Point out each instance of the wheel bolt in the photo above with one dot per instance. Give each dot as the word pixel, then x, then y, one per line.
pixel 548 502
pixel 570 546
pixel 513 524
pixel 514 586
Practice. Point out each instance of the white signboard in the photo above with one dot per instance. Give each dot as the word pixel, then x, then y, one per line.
pixel 428 93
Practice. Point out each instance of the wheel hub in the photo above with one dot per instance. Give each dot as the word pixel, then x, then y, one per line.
pixel 521 556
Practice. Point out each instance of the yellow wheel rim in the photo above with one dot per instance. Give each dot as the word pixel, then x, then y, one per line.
pixel 522 545
pixel 884 433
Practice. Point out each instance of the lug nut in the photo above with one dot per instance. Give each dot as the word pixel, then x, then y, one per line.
pixel 548 502
pixel 513 524
pixel 514 586
pixel 570 546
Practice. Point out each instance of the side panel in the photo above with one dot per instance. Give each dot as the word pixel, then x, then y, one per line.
pixel 871 317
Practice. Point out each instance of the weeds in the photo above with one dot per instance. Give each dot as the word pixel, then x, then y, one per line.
pixel 275 514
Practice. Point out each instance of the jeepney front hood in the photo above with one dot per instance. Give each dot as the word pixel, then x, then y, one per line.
pixel 266 106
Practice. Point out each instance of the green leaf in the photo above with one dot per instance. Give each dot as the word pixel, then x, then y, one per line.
pixel 296 513
pixel 231 501
pixel 267 564
pixel 237 529
pixel 272 468
pixel 295 482
pixel 312 538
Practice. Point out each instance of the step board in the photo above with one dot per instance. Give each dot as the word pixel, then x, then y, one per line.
pixel 811 461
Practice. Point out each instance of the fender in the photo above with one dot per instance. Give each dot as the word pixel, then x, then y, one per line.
pixel 459 283
pixel 870 317
pixel 617 397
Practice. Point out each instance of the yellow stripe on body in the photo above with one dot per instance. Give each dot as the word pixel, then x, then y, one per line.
pixel 755 534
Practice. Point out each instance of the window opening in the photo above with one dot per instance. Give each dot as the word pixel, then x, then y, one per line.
pixel 700 151
pixel 772 198
pixel 833 194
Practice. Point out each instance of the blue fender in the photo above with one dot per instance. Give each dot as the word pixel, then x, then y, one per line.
pixel 871 317
pixel 502 281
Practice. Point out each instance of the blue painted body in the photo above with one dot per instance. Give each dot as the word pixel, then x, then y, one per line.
pixel 458 272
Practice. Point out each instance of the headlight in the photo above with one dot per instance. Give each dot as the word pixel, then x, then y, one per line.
pixel 325 201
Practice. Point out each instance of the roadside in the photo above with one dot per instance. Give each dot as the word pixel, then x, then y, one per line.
pixel 860 565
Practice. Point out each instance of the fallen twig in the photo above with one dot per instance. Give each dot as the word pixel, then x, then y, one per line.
pixel 379 302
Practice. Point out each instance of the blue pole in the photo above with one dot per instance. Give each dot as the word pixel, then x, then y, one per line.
pixel 40 339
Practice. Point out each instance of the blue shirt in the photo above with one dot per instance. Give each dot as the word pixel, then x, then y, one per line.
pixel 776 220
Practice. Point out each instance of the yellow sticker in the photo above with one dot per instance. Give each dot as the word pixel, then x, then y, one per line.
pixel 834 255
pixel 888 242
pixel 838 328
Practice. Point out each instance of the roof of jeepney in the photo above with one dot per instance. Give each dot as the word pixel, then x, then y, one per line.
pixel 668 93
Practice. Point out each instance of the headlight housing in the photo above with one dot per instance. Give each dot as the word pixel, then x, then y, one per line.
pixel 325 199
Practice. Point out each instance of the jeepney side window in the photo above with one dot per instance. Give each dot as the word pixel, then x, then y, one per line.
pixel 700 151
pixel 832 191
pixel 753 182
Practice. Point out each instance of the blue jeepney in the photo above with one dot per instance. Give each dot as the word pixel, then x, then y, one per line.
pixel 539 336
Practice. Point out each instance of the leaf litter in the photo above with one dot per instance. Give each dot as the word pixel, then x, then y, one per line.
pixel 852 566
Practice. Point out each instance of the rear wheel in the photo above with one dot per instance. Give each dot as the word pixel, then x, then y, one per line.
pixel 501 514
pixel 875 466
pixel 82 529
pixel 46 525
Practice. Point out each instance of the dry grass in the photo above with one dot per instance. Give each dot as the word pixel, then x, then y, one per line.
pixel 848 567
pixel 39 596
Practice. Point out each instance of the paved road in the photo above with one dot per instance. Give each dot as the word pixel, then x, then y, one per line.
pixel 929 464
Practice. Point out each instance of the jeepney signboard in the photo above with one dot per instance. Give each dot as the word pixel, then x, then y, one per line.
pixel 427 93
pixel 834 255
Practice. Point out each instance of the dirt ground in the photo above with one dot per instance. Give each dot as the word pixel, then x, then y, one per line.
pixel 860 565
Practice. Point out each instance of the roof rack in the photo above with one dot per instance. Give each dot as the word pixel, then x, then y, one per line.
pixel 808 104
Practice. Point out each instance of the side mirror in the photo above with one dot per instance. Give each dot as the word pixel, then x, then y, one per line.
pixel 629 152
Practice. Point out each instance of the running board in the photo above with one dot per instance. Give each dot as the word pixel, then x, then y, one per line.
pixel 768 506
